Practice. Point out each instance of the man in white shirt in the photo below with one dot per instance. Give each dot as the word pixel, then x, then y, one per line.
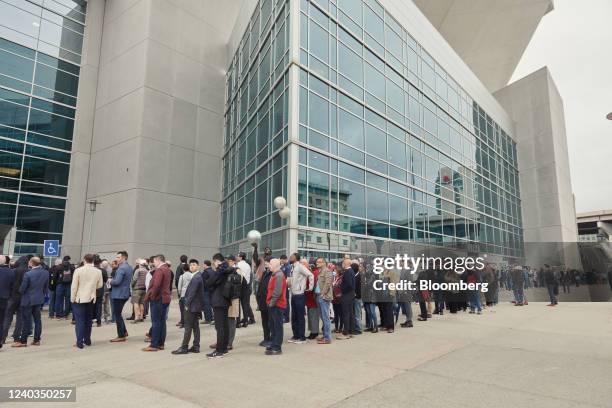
pixel 244 269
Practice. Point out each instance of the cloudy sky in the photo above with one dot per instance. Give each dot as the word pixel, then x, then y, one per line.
pixel 575 42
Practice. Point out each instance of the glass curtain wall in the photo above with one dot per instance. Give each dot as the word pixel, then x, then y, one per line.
pixel 392 147
pixel 256 129
pixel 40 54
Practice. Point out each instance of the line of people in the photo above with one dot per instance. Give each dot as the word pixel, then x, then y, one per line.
pixel 324 297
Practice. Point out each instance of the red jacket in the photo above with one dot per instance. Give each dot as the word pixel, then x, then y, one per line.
pixel 159 287
pixel 311 302
pixel 277 291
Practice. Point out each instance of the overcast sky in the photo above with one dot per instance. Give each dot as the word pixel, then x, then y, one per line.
pixel 575 42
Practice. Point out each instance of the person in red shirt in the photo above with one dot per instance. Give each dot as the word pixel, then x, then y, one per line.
pixel 277 302
pixel 312 309
pixel 158 296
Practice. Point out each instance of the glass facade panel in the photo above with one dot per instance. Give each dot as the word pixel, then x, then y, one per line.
pixel 439 169
pixel 40 47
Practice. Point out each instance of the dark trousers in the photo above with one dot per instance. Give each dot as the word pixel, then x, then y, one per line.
pixel 12 308
pixel 62 300
pixel 191 324
pixel 265 323
pixel 98 308
pixel 423 306
pixel 3 307
pixel 182 310
pixel 245 303
pixel 207 308
pixel 386 315
pixel 337 316
pixel 348 312
pixel 158 323
pixel 117 309
pixel 298 321
pixel 222 328
pixel 287 310
pixel 27 314
pixel 276 327
pixel 82 322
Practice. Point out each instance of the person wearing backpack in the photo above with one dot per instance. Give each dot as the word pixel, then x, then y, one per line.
pixel 216 282
pixel 62 288
pixel 237 284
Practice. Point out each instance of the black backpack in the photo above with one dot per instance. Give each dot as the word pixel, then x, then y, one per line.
pixel 232 287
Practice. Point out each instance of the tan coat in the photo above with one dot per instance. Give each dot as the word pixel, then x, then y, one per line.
pixel 85 281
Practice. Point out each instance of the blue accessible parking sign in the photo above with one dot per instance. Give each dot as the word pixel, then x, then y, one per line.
pixel 51 247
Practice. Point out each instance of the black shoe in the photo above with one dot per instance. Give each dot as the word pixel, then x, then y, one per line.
pixel 216 354
pixel 369 329
pixel 407 323
pixel 130 318
pixel 194 349
pixel 251 321
pixel 375 330
pixel 356 333
pixel 180 350
pixel 273 352
pixel 264 343
pixel 313 336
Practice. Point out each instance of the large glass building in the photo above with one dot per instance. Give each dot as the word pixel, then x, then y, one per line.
pixel 40 53
pixel 383 125
pixel 390 146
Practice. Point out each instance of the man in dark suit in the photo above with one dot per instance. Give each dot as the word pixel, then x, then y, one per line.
pixel 33 289
pixel 13 305
pixel 7 279
pixel 194 302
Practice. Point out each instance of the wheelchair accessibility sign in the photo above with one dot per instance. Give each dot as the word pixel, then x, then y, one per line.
pixel 51 247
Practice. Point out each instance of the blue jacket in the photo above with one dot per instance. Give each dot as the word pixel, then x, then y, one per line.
pixel 34 287
pixel 7 279
pixel 194 299
pixel 121 282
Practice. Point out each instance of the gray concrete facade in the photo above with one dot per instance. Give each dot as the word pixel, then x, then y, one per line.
pixel 499 31
pixel 149 130
pixel 548 210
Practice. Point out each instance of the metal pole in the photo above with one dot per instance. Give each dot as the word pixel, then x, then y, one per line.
pixel 90 228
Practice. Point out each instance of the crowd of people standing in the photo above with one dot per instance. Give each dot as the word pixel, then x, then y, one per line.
pixel 322 297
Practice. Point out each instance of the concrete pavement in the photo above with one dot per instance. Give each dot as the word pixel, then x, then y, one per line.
pixel 533 356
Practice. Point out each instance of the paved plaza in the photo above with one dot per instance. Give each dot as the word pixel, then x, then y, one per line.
pixel 532 356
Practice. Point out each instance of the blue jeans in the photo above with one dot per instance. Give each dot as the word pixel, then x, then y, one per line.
pixel 298 323
pixel 551 294
pixel 51 303
pixel 27 314
pixel 475 300
pixel 276 328
pixel 82 322
pixel 324 306
pixel 158 322
pixel 62 300
pixel 370 309
pixel 518 293
pixel 117 309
